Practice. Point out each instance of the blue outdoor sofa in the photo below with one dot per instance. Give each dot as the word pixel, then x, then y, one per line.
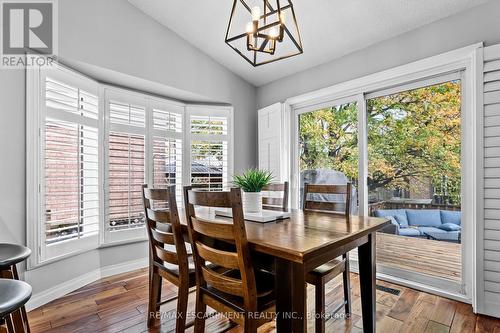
pixel 421 222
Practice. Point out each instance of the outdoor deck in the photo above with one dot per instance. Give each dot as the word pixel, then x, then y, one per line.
pixel 434 258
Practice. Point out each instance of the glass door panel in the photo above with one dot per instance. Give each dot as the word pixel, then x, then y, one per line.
pixel 328 147
pixel 414 179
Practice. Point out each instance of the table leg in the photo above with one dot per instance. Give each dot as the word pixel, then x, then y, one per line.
pixel 299 299
pixel 367 272
pixel 283 295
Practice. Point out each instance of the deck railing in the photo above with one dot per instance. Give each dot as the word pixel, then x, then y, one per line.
pixel 404 205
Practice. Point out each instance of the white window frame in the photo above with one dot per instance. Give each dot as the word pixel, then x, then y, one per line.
pixel 465 59
pixel 36 112
pixel 35 104
pixel 127 97
pixel 208 110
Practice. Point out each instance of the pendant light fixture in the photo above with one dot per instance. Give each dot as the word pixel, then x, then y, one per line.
pixel 263 31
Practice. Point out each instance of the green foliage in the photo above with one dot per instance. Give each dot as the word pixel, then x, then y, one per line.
pixel 329 139
pixel 253 180
pixel 208 152
pixel 412 136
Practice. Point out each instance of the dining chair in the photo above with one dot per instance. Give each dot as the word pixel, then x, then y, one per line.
pixel 10 256
pixel 170 257
pixel 319 198
pixel 278 201
pixel 243 294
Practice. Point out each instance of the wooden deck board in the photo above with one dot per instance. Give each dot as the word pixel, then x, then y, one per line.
pixel 86 310
pixel 430 257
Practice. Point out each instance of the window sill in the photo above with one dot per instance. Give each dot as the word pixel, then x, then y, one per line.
pixel 123 242
pixel 32 265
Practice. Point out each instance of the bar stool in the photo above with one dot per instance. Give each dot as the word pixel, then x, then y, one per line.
pixel 13 295
pixel 10 256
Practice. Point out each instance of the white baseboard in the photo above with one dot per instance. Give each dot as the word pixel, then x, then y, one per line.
pixel 60 290
pixel 124 267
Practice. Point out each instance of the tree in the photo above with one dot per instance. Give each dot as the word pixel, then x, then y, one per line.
pixel 414 134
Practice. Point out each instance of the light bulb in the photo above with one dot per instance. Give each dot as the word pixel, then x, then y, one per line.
pixel 250 29
pixel 256 13
pixel 273 32
pixel 282 18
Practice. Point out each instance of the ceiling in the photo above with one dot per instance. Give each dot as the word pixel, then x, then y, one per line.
pixel 330 29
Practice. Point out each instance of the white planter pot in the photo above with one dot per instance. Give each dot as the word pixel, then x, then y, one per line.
pixel 252 202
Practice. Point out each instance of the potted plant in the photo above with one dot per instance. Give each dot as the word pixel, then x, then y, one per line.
pixel 252 182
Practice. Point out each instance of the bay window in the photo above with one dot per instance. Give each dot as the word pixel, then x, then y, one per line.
pixel 90 147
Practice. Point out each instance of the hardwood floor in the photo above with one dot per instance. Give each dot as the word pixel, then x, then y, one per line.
pixel 430 257
pixel 118 304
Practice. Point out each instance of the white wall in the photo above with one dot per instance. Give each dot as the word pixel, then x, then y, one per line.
pixel 114 35
pixel 477 25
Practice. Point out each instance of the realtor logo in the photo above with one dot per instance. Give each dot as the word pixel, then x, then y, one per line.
pixel 28 32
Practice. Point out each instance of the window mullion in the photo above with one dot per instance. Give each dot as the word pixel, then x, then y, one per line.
pixel 129 166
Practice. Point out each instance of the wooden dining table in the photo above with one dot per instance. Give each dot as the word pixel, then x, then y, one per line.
pixel 305 241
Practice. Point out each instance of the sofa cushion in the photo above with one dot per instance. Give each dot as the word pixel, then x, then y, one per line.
pixel 410 232
pixel 423 217
pixel 449 216
pixel 403 220
pixel 450 227
pixel 431 230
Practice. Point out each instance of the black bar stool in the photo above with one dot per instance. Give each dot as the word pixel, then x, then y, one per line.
pixel 13 295
pixel 10 256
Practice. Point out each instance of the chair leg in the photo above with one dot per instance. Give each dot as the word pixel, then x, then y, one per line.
pixel 200 313
pixel 17 321
pixel 250 326
pixel 154 298
pixel 347 286
pixel 182 302
pixel 8 322
pixel 320 307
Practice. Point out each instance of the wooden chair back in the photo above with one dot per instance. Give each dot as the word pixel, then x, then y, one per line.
pixel 274 202
pixel 329 206
pixel 207 232
pixel 164 228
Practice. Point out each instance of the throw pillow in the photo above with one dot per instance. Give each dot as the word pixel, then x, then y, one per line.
pixel 392 219
pixel 402 220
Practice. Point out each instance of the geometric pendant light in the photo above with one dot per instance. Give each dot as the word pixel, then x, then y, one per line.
pixel 264 31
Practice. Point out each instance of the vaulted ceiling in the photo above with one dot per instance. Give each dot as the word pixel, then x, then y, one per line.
pixel 330 29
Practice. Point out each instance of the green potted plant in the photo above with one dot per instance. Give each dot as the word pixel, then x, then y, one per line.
pixel 252 181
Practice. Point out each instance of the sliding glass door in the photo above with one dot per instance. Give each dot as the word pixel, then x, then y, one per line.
pixel 401 148
pixel 414 179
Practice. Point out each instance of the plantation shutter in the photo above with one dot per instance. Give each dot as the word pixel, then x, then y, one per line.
pixel 167 132
pixel 272 149
pixel 69 184
pixel 126 166
pixel 489 296
pixel 209 147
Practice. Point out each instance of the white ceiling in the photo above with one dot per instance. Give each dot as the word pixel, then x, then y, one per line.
pixel 330 29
